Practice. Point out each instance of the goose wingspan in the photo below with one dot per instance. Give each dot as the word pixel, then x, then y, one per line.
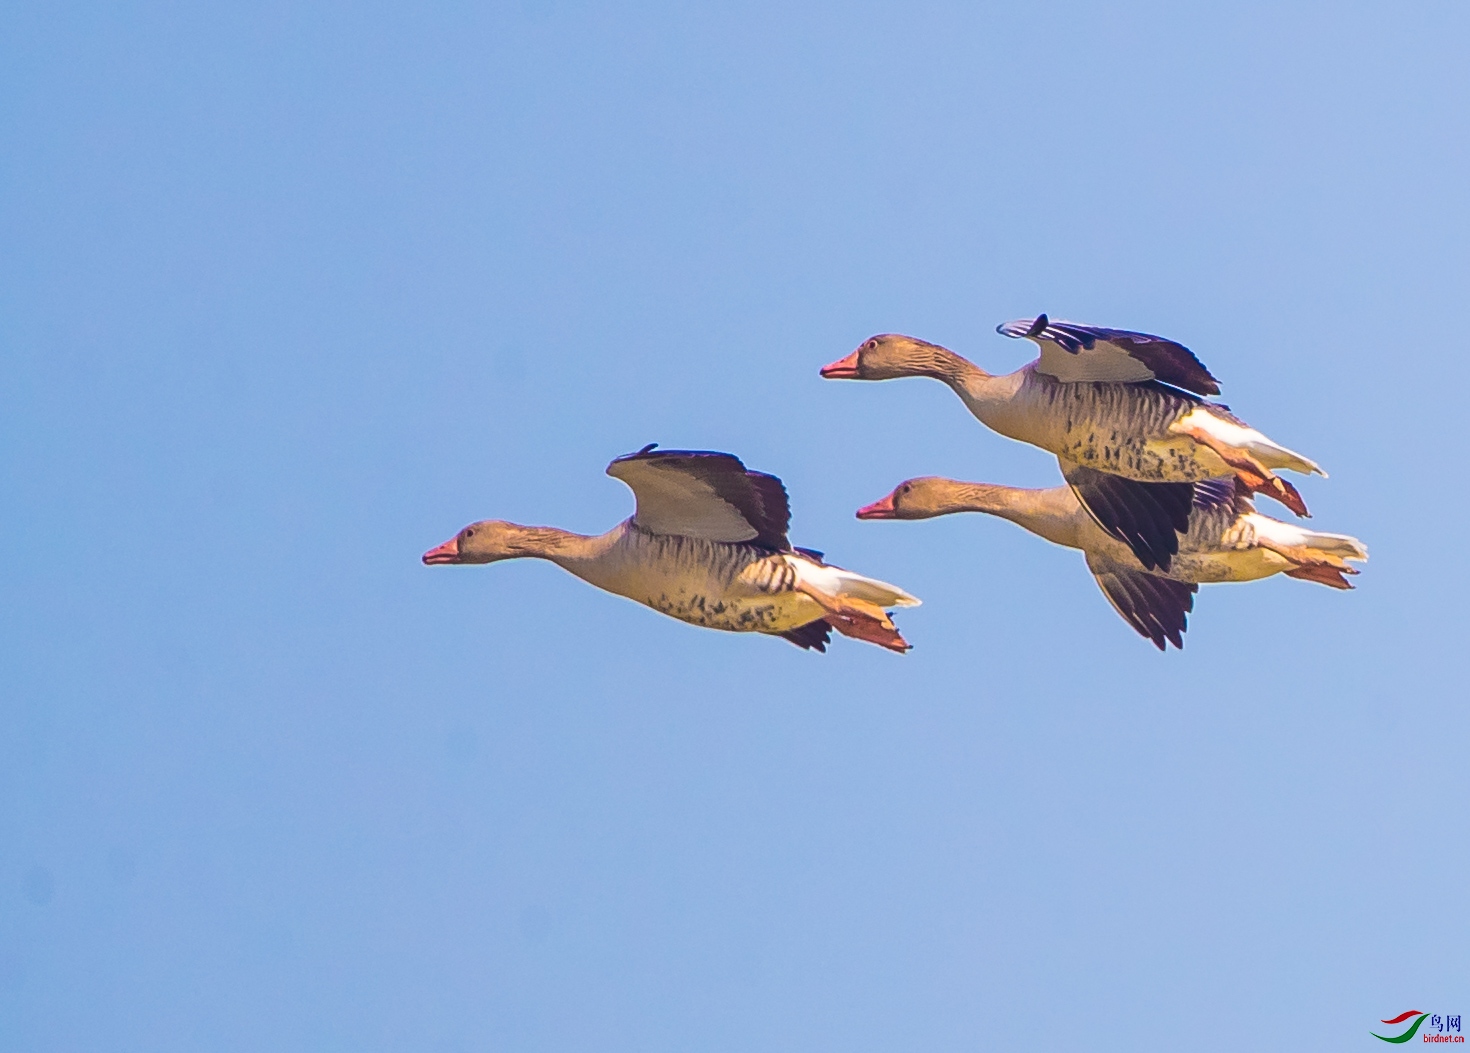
pixel 1078 353
pixel 698 493
pixel 1147 517
pixel 1156 607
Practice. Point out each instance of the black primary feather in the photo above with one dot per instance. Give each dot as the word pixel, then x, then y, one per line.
pixel 813 636
pixel 1147 517
pixel 1156 607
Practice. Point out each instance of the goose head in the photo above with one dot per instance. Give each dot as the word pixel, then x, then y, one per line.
pixel 923 498
pixel 487 541
pixel 891 355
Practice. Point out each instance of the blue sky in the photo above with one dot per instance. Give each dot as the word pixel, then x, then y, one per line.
pixel 291 293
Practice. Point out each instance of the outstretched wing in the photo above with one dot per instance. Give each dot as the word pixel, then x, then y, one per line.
pixel 1147 517
pixel 1073 353
pixel 1155 606
pixel 697 493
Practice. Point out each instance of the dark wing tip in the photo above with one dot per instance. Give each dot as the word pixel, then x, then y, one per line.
pixel 773 518
pixel 1022 328
pixel 1197 379
pixel 1156 607
pixel 1171 361
pixel 813 636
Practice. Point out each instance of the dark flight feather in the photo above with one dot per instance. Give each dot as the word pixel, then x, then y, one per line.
pixel 1156 607
pixel 1147 517
pixel 813 636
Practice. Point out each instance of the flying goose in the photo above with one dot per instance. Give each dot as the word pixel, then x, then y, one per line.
pixel 707 545
pixel 1122 411
pixel 1226 540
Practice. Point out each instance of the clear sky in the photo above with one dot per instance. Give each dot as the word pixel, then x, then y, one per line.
pixel 291 292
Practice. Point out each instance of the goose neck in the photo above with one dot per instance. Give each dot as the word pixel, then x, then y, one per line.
pixel 987 396
pixel 1050 513
pixel 577 553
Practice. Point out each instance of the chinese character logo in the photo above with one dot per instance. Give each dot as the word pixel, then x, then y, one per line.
pixel 1446 1028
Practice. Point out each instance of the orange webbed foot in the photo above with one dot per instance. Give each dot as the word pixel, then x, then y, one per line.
pixel 1322 574
pixel 860 620
pixel 862 627
pixel 1273 485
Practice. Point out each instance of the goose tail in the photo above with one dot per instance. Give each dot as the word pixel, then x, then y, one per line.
pixel 1273 455
pixel 1315 554
pixel 1230 437
pixel 854 604
pixel 835 581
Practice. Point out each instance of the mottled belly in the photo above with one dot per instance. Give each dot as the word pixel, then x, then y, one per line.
pixel 1243 565
pixel 741 614
pixel 1162 459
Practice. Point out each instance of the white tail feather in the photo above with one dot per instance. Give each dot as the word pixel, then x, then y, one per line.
pixel 1292 536
pixel 834 581
pixel 1244 437
pixel 1338 545
pixel 1273 456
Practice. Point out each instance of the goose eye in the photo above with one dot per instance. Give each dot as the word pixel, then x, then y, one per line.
pixel 469 533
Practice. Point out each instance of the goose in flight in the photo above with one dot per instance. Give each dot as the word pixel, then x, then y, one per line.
pixel 1122 411
pixel 1226 540
pixel 707 545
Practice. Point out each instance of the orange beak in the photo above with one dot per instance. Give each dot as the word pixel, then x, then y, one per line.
pixel 842 369
pixel 883 509
pixel 445 553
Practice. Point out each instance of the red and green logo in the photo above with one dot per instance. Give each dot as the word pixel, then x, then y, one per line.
pixel 1419 1019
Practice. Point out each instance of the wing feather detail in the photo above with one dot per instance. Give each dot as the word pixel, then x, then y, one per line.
pixel 1156 607
pixel 1076 353
pixel 700 493
pixel 1147 517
